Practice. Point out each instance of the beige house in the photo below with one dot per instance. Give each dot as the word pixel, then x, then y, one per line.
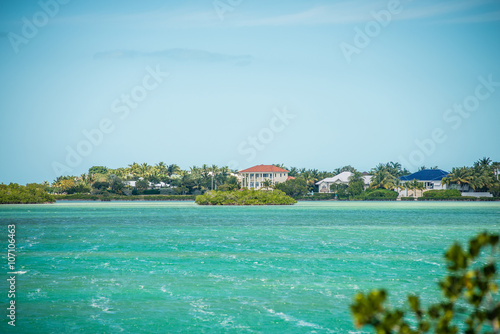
pixel 342 178
pixel 253 177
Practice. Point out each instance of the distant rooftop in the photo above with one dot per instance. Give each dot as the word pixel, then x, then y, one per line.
pixel 264 169
pixel 426 175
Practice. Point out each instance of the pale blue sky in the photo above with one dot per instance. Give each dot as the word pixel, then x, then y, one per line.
pixel 231 70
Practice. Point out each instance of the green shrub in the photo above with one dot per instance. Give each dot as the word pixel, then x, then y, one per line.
pixel 30 194
pixel 105 196
pixel 317 197
pixel 294 187
pixel 167 191
pixel 168 198
pixel 442 194
pixel 245 197
pixel 461 198
pixel 377 195
pixel 151 192
pixel 489 199
pixel 88 197
pixel 76 197
pixel 408 198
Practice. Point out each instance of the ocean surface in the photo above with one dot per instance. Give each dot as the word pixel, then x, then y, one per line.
pixel 175 267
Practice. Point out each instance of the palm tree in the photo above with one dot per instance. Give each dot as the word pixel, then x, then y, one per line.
pixel 153 176
pixel 398 185
pixel 420 186
pixel 495 166
pixel 173 169
pixel 410 185
pixel 406 186
pixel 484 162
pixel 84 178
pixel 382 179
pixel 482 179
pixel 222 175
pixel 267 184
pixel 293 172
pixel 377 169
pixel 161 167
pixel 144 169
pixel 214 170
pixel 394 168
pixel 309 178
pixel 460 176
pixel 394 165
pixel 135 169
pixel 194 170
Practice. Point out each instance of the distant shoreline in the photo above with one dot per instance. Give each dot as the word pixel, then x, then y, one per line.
pixel 105 198
pixel 300 200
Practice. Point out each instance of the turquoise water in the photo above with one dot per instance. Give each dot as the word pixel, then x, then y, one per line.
pixel 170 267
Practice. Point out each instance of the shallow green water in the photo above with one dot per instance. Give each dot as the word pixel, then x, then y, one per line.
pixel 171 267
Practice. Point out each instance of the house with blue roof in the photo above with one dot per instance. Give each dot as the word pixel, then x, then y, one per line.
pixel 431 178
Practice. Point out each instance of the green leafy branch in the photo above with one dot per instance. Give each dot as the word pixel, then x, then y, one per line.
pixel 469 292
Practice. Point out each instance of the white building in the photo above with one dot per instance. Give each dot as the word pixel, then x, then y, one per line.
pixel 253 177
pixel 151 185
pixel 130 183
pixel 342 178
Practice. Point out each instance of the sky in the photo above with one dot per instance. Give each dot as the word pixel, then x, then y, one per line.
pixel 313 84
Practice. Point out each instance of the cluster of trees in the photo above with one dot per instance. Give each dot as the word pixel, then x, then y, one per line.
pixel 171 178
pixel 195 180
pixel 17 194
pixel 244 197
pixel 385 176
pixel 480 177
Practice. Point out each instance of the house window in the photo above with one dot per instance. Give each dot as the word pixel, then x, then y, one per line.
pixel 251 185
pixel 264 175
pixel 256 184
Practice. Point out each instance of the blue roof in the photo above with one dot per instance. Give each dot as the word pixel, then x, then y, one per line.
pixel 425 175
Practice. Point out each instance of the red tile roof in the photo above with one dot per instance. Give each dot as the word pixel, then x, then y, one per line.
pixel 264 169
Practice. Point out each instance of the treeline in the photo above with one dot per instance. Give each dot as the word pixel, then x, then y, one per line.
pixel 172 180
pixel 482 176
pixel 164 179
pixel 29 194
pixel 111 197
pixel 160 179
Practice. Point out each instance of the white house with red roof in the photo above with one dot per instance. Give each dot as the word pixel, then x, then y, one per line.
pixel 253 177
